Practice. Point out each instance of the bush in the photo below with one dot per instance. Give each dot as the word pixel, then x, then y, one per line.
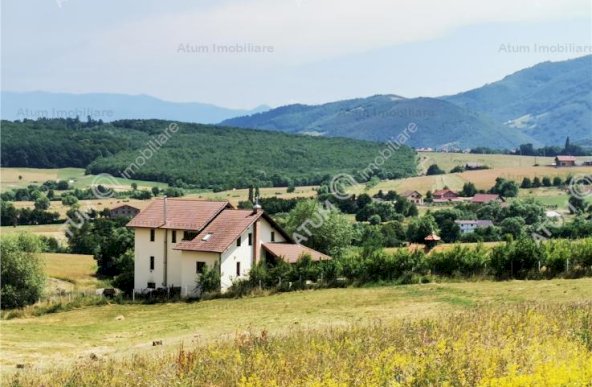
pixel 209 281
pixel 22 274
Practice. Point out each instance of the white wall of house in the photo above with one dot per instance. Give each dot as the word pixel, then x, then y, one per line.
pixel 265 231
pixel 188 266
pixel 144 249
pixel 242 254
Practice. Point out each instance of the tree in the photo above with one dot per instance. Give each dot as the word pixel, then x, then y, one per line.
pixel 375 219
pixel 506 188
pixel 22 275
pixel 291 188
pixel 577 205
pixel 526 183
pixel 468 190
pixel 421 227
pixel 513 226
pixel 42 203
pixel 69 200
pixel 155 191
pixel 134 186
pixel 546 181
pixel 536 183
pixel 557 181
pixel 434 170
pixel 449 231
pixel 320 227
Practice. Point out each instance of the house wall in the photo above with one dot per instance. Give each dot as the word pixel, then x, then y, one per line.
pixel 144 248
pixel 244 253
pixel 188 268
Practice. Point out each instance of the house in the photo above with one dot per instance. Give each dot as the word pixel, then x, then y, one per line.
pixel 467 226
pixel 486 198
pixel 123 211
pixel 444 195
pixel 565 161
pixel 176 239
pixel 413 197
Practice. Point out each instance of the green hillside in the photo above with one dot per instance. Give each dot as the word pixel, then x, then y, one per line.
pixel 382 117
pixel 203 156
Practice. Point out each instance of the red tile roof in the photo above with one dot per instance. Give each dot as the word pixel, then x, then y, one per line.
pixel 224 230
pixel 443 192
pixel 182 214
pixel 565 158
pixel 292 252
pixel 485 198
pixel 432 237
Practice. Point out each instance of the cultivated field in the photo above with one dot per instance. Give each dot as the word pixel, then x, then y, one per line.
pixel 9 178
pixel 447 161
pixel 118 331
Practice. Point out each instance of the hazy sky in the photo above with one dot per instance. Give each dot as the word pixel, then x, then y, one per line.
pixel 311 51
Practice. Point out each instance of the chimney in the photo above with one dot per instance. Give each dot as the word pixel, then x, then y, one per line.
pixel 256 207
pixel 165 210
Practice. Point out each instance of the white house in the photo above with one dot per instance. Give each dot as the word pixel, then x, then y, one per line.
pixel 467 226
pixel 175 239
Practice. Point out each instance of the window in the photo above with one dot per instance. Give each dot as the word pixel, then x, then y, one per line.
pixel 273 236
pixel 152 234
pixel 250 239
pixel 174 236
pixel 151 263
pixel 207 237
pixel 200 267
pixel 151 285
pixel 238 242
pixel 238 269
pixel 189 235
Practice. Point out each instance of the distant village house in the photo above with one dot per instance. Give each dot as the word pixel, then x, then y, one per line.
pixel 123 211
pixel 467 226
pixel 565 161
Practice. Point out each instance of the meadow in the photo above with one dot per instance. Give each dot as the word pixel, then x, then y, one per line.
pixel 120 332
pixel 517 333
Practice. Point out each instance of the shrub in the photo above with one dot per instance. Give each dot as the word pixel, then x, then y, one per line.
pixel 22 274
pixel 209 281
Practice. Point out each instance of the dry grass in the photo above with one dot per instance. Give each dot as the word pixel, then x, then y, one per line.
pixel 48 230
pixel 77 269
pixel 494 345
pixel 65 337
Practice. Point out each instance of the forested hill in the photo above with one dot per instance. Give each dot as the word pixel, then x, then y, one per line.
pixel 203 156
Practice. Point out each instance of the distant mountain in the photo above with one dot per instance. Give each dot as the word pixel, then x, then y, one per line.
pixel 547 102
pixel 541 105
pixel 110 107
pixel 384 117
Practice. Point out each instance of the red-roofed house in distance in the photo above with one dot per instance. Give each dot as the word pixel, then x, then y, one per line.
pixel 176 239
pixel 486 198
pixel 444 194
pixel 565 161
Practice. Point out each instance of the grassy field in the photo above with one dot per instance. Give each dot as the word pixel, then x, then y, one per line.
pixel 504 345
pixel 116 331
pixel 9 178
pixel 447 161
pixel 47 230
pixel 77 269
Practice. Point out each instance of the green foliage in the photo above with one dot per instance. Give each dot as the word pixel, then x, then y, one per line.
pixel 320 226
pixel 106 239
pixel 421 227
pixel 22 273
pixel 468 190
pixel 42 203
pixel 505 188
pixel 434 170
pixel 209 280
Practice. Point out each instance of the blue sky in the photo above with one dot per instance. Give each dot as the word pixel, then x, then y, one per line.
pixel 316 50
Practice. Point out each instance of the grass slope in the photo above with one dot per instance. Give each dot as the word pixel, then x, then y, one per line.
pixel 62 338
